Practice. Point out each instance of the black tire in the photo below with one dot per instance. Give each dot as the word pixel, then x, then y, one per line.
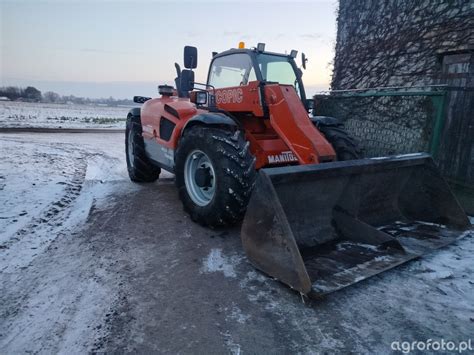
pixel 235 174
pixel 346 147
pixel 139 167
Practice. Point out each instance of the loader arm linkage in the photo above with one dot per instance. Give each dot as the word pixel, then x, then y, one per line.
pixel 288 129
pixel 289 119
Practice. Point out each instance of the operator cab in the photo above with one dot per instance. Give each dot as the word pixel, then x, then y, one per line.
pixel 238 67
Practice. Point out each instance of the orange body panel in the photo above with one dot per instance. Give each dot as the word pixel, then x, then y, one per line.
pixel 283 135
pixel 155 109
pixel 245 98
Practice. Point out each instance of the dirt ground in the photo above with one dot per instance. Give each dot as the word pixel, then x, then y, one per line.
pixel 119 267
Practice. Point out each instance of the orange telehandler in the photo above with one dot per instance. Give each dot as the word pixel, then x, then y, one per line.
pixel 318 217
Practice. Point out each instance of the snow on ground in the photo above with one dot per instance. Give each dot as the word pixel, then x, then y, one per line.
pixel 50 185
pixel 215 261
pixel 436 289
pixel 48 188
pixel 60 301
pixel 30 114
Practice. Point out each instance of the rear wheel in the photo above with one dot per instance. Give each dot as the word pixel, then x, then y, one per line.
pixel 215 175
pixel 139 167
pixel 346 146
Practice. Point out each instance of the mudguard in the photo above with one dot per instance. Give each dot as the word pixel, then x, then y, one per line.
pixel 210 118
pixel 134 112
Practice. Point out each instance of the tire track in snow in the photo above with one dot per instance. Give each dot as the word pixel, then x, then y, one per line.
pixel 53 298
pixel 62 169
pixel 33 237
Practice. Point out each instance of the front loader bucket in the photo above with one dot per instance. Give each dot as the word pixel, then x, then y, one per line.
pixel 319 228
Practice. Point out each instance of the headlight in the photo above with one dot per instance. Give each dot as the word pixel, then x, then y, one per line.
pixel 201 97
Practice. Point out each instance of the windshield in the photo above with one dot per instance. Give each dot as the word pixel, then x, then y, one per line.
pixel 237 70
pixel 279 69
pixel 231 70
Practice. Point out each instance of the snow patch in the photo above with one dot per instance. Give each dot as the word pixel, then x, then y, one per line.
pixel 237 315
pixel 432 224
pixel 379 158
pixel 102 168
pixel 347 245
pixel 383 258
pixel 408 155
pixel 233 347
pixel 442 274
pixel 398 156
pixel 217 262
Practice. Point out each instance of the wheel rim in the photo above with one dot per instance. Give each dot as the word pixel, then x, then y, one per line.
pixel 201 195
pixel 131 157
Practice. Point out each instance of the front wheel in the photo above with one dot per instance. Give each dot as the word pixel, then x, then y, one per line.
pixel 215 175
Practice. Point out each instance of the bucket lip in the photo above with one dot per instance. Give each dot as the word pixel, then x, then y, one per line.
pixel 351 166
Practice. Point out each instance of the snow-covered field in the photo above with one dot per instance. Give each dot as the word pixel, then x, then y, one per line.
pixel 41 115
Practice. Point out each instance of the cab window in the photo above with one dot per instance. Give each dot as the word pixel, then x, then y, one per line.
pixel 278 69
pixel 231 70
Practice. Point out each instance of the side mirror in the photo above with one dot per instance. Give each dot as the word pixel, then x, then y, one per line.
pixel 303 60
pixel 309 104
pixel 190 57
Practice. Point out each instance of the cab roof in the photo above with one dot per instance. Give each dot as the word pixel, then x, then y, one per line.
pixel 250 51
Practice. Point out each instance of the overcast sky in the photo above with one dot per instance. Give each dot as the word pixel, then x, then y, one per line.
pixel 121 48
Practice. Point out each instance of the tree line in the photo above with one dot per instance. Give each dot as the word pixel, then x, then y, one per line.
pixel 32 94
